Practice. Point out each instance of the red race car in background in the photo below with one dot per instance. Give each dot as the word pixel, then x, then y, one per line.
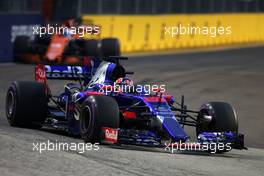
pixel 62 48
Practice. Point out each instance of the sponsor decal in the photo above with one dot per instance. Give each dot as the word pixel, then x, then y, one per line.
pixel 110 135
pixel 40 74
pixel 63 71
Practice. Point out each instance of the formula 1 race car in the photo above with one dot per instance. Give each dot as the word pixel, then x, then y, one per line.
pixel 61 49
pixel 99 109
pixel 64 46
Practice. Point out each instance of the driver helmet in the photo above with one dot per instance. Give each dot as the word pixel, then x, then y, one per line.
pixel 124 81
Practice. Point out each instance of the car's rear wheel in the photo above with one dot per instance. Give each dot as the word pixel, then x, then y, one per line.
pixel 83 47
pixel 91 48
pixel 26 104
pixel 72 48
pixel 110 47
pixel 43 40
pixel 41 44
pixel 21 45
pixel 97 112
pixel 217 117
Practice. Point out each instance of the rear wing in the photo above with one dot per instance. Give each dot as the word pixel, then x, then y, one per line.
pixel 73 72
pixel 66 72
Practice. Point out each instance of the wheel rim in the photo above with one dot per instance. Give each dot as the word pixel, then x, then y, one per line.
pixel 86 118
pixel 77 114
pixel 10 103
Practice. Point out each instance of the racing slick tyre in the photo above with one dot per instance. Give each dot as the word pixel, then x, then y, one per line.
pixel 43 40
pixel 21 45
pixel 26 104
pixel 41 44
pixel 97 112
pixel 91 48
pixel 73 48
pixel 110 47
pixel 216 117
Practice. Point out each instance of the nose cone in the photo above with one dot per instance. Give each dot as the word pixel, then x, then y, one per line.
pixel 172 126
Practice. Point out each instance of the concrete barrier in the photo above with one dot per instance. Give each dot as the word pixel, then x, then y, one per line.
pixel 147 33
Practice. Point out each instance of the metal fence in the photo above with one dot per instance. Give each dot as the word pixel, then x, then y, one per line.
pixel 75 8
pixel 169 6
pixel 21 6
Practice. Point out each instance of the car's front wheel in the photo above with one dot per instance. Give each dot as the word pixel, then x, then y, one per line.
pixel 26 104
pixel 97 112
pixel 216 117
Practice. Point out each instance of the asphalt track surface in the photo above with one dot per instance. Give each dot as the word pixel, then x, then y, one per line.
pixel 235 76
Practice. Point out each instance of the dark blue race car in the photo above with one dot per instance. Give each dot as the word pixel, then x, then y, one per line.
pixel 105 106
